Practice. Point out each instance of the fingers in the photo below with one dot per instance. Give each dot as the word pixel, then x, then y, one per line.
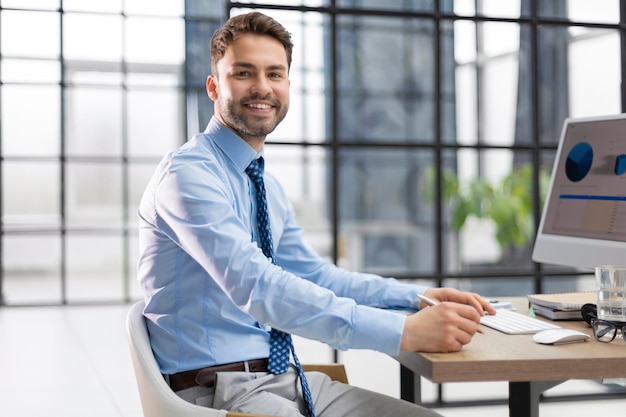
pixel 480 304
pixel 474 300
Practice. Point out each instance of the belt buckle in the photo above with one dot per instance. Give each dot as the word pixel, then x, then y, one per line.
pixel 205 378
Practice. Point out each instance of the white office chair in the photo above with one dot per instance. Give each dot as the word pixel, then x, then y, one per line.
pixel 157 398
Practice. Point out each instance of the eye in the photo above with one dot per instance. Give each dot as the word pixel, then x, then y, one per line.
pixel 242 74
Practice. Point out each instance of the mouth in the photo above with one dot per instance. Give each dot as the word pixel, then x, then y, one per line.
pixel 260 106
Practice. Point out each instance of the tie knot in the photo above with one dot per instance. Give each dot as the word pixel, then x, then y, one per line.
pixel 255 169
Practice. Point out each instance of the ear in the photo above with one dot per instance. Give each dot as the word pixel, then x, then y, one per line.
pixel 211 87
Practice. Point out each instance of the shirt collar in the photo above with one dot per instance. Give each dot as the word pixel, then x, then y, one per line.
pixel 233 146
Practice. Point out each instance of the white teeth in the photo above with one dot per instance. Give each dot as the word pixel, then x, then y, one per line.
pixel 260 106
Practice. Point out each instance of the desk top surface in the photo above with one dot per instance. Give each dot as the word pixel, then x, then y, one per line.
pixel 495 356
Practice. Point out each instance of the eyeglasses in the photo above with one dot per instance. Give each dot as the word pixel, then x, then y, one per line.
pixel 605 331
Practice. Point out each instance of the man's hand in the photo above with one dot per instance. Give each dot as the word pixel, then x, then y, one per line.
pixel 446 327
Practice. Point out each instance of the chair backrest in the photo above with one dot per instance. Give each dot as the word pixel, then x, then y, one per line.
pixel 157 398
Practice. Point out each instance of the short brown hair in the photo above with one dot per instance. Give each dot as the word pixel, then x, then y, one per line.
pixel 253 22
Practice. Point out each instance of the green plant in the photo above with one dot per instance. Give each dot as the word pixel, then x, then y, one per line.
pixel 508 203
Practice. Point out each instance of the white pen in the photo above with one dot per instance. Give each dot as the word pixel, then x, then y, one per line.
pixel 427 300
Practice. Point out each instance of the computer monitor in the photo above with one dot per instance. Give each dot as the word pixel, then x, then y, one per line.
pixel 583 223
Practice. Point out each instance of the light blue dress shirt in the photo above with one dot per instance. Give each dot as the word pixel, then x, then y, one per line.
pixel 212 296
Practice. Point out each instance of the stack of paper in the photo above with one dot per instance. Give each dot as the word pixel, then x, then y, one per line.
pixel 561 306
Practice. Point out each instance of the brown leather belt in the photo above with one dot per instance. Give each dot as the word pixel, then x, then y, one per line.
pixel 205 377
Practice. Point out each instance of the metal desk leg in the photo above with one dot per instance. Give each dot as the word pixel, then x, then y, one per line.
pixel 410 385
pixel 524 397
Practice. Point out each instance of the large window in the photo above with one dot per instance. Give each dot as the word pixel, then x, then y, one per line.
pixel 417 144
pixel 91 97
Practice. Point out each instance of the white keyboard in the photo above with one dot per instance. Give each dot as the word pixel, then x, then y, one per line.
pixel 511 322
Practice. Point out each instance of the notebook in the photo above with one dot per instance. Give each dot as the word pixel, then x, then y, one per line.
pixel 554 314
pixel 563 301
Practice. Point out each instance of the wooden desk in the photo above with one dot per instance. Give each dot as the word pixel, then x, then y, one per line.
pixel 530 368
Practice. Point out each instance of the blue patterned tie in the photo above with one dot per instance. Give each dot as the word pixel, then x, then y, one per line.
pixel 281 344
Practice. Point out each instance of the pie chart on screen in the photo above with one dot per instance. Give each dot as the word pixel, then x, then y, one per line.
pixel 579 161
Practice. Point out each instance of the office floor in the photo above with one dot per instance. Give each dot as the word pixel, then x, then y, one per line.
pixel 74 361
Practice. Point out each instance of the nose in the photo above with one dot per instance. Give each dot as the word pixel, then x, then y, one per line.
pixel 261 85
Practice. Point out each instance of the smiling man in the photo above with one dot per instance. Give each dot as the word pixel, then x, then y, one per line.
pixel 227 277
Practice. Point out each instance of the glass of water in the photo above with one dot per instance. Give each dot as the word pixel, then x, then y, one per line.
pixel 611 288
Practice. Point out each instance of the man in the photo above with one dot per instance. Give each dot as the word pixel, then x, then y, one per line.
pixel 220 283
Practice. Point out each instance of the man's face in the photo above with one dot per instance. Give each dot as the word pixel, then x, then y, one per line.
pixel 251 87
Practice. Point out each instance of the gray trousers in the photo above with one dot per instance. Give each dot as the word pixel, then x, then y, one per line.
pixel 281 395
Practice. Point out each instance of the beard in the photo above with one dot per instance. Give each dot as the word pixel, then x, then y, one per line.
pixel 248 125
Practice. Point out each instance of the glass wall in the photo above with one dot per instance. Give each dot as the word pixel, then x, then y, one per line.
pixel 91 97
pixel 418 143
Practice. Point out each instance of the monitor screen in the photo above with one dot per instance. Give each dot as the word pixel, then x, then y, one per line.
pixel 584 215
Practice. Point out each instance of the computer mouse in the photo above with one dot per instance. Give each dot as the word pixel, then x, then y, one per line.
pixel 559 336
